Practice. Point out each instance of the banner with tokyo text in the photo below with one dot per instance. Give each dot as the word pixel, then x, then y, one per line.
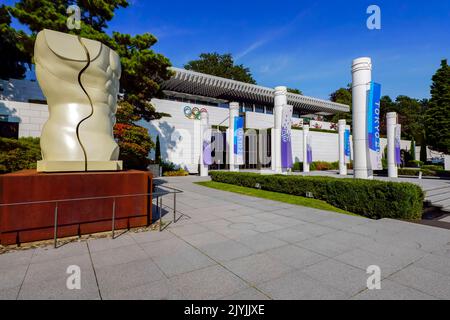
pixel 373 126
pixel 238 140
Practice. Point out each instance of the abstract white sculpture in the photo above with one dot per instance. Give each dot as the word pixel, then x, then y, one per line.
pixel 80 79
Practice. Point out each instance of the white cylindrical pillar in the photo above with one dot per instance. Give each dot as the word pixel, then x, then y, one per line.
pixel 234 112
pixel 362 76
pixel 204 168
pixel 391 124
pixel 280 102
pixel 342 164
pixel 306 165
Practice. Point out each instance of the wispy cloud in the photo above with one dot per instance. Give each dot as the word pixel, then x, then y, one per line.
pixel 271 35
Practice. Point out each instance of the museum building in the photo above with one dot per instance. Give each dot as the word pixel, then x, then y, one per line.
pixel 187 95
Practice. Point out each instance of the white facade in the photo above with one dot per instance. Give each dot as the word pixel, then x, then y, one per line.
pixel 175 132
pixel 30 116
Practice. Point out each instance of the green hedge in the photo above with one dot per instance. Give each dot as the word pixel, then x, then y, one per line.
pixel 425 172
pixel 16 155
pixel 317 166
pixel 372 199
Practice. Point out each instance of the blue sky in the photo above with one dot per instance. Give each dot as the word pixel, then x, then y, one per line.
pixel 303 44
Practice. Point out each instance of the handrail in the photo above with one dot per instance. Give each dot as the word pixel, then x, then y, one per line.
pixel 157 194
pixel 90 198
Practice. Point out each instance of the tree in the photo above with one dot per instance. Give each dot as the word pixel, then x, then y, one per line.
pixel 158 151
pixel 411 117
pixel 295 91
pixel 344 96
pixel 134 141
pixel 13 44
pixel 437 117
pixel 412 150
pixel 143 70
pixel 221 66
pixel 386 106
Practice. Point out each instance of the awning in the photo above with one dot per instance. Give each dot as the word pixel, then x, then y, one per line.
pixel 195 83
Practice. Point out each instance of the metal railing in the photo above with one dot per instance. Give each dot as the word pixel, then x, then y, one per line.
pixel 159 192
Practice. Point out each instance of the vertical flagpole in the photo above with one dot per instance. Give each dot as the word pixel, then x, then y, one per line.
pixel 234 112
pixel 306 164
pixel 391 124
pixel 362 76
pixel 204 168
pixel 280 101
pixel 342 163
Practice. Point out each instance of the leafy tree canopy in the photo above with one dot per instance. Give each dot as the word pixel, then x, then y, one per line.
pixel 410 112
pixel 295 91
pixel 143 70
pixel 437 117
pixel 221 66
pixel 13 50
pixel 344 96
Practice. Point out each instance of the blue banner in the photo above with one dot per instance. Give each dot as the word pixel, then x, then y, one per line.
pixel 347 147
pixel 373 126
pixel 239 140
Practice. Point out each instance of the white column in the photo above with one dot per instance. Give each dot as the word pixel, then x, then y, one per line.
pixel 204 169
pixel 362 76
pixel 305 150
pixel 234 112
pixel 280 101
pixel 342 164
pixel 391 123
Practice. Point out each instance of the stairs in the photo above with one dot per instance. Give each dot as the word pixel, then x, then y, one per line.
pixel 439 198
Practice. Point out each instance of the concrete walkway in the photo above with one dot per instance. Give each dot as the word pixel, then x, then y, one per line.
pixel 228 246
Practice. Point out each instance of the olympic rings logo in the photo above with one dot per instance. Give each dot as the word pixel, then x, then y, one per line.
pixel 194 113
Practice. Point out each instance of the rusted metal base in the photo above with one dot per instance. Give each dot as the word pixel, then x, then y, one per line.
pixel 35 222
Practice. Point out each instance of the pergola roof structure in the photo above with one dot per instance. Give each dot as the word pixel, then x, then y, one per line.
pixel 195 83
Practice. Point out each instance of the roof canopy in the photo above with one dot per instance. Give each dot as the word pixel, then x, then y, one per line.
pixel 206 85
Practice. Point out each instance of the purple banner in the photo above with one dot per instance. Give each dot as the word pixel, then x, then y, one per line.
pixel 207 158
pixel 309 152
pixel 398 138
pixel 286 138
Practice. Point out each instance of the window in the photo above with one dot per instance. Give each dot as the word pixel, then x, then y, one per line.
pixel 259 109
pixel 269 110
pixel 248 107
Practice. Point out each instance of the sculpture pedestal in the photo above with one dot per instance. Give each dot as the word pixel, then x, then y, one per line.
pixel 25 222
pixel 78 166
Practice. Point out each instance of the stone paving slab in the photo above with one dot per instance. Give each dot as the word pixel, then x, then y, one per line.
pixel 231 246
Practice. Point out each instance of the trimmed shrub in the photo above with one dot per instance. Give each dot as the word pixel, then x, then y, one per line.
pixel 425 172
pixel 433 167
pixel 372 199
pixel 317 166
pixel 178 173
pixel 415 164
pixel 168 167
pixel 16 155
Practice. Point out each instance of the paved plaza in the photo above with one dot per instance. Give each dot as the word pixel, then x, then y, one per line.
pixel 229 246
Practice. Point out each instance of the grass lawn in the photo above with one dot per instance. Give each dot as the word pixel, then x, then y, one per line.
pixel 281 197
